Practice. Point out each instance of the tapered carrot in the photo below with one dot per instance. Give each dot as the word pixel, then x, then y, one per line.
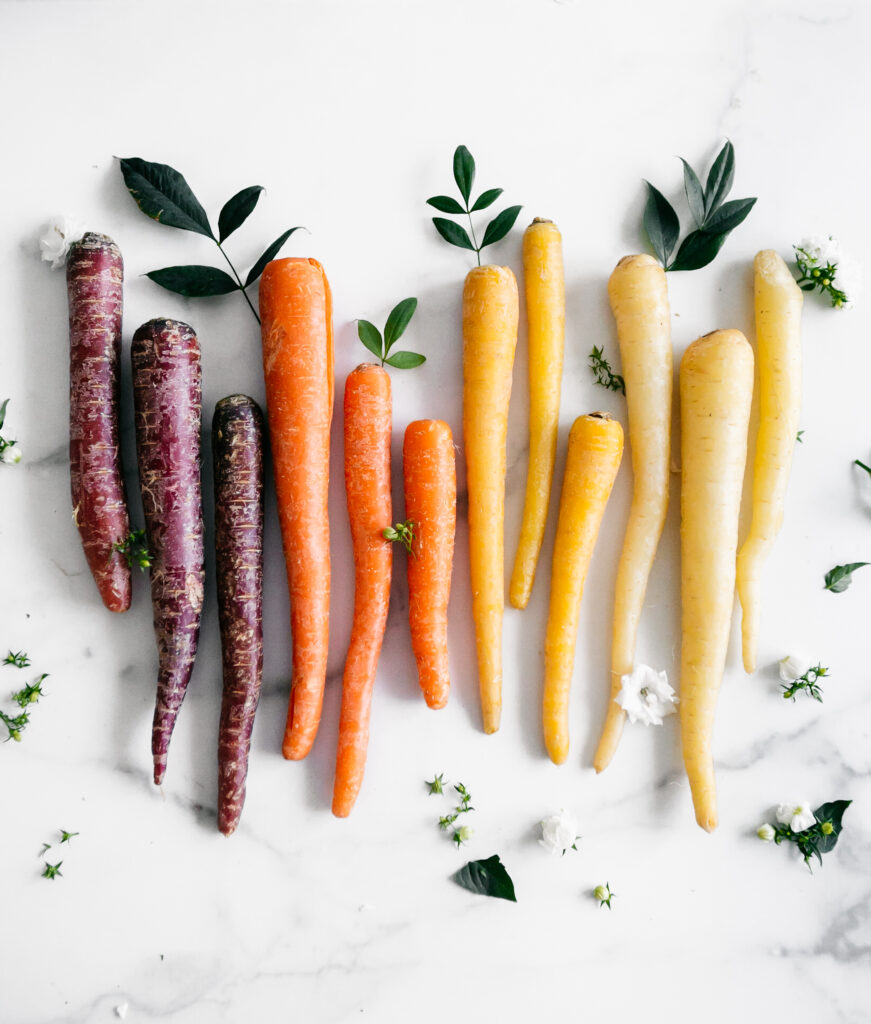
pixel 368 417
pixel 716 387
pixel 639 301
pixel 594 453
pixel 778 301
pixel 429 469
pixel 490 314
pixel 546 314
pixel 296 312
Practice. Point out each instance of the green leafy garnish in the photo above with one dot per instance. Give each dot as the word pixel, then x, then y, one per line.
pixel 807 683
pixel 19 660
pixel 66 836
pixel 496 230
pixel 162 193
pixel 52 870
pixel 135 549
pixel 714 218
pixel 29 694
pixel 839 578
pixel 486 878
pixel 604 895
pixel 402 533
pixel 447 822
pixel 437 785
pixel 820 838
pixel 603 373
pixel 819 273
pixel 399 318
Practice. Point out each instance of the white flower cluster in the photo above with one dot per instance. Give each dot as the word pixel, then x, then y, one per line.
pixel 819 252
pixel 54 245
pixel 646 696
pixel 10 454
pixel 558 832
pixel 799 816
pixel 793 667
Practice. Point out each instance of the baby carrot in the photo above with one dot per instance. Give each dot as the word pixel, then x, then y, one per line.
pixel 296 312
pixel 368 417
pixel 594 453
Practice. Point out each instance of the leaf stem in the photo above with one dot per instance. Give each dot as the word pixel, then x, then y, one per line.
pixel 474 239
pixel 239 279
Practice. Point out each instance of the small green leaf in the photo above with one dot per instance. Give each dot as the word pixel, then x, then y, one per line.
pixel 720 178
pixel 839 578
pixel 371 337
pixel 405 360
pixel 832 812
pixel 487 878
pixel 464 171
pixel 661 224
pixel 398 320
pixel 501 224
pixel 194 281
pixel 3 405
pixel 445 204
pixel 695 193
pixel 164 195
pixel 729 216
pixel 697 250
pixel 486 199
pixel 237 210
pixel 268 256
pixel 453 233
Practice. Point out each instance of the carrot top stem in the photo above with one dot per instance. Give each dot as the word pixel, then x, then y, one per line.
pixel 402 533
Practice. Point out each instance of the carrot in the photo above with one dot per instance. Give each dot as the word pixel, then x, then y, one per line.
pixel 490 314
pixel 168 404
pixel 95 275
pixel 778 301
pixel 431 507
pixel 716 387
pixel 594 453
pixel 367 483
pixel 639 301
pixel 546 315
pixel 237 447
pixel 296 311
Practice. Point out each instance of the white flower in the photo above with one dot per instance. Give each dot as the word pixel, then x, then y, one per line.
pixel 646 696
pixel 765 832
pixel 798 816
pixel 793 667
pixel 558 832
pixel 121 1010
pixel 11 454
pixel 848 279
pixel 821 249
pixel 57 238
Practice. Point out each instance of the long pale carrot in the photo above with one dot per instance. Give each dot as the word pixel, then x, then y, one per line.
pixel 296 312
pixel 429 470
pixel 368 415
pixel 639 301
pixel 716 387
pixel 594 453
pixel 490 314
pixel 778 301
pixel 546 315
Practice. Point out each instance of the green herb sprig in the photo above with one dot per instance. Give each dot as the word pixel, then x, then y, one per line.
pixel 840 578
pixel 134 548
pixel 9 450
pixel 401 533
pixel 460 834
pixel 603 373
pixel 807 683
pixel 820 838
pixel 456 234
pixel 162 193
pixel 714 218
pixel 53 870
pixel 29 694
pixel 818 275
pixel 19 660
pixel 399 318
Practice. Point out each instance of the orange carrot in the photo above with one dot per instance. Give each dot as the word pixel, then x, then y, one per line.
pixel 431 507
pixel 296 312
pixel 368 416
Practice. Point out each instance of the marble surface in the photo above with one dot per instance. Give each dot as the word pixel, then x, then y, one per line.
pixel 348 114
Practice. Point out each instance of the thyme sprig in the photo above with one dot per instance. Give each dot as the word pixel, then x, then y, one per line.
pixel 603 373
pixel 18 660
pixel 27 695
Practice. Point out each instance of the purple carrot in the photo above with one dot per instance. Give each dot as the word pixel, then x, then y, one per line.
pixel 237 447
pixel 167 399
pixel 95 275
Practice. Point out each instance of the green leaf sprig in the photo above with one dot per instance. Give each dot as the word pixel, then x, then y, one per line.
pixel 399 318
pixel 807 683
pixel 29 694
pixel 54 870
pixel 814 274
pixel 162 193
pixel 487 878
pixel 840 578
pixel 820 838
pixel 456 234
pixel 460 834
pixel 134 548
pixel 9 450
pixel 714 218
pixel 19 660
pixel 401 533
pixel 603 373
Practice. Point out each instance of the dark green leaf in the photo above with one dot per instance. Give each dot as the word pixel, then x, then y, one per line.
pixel 839 578
pixel 487 878
pixel 237 210
pixel 453 233
pixel 809 287
pixel 832 812
pixel 695 193
pixel 501 224
pixel 371 337
pixel 405 360
pixel 195 282
pixel 661 224
pixel 697 250
pixel 163 194
pixel 729 216
pixel 3 411
pixel 445 204
pixel 464 171
pixel 267 256
pixel 486 199
pixel 720 178
pixel 398 320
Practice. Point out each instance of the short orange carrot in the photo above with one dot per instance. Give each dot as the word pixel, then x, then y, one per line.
pixel 429 469
pixel 368 415
pixel 296 312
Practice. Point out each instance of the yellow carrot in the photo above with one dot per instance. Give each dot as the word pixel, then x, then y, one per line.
pixel 716 387
pixel 639 301
pixel 546 315
pixel 490 313
pixel 778 301
pixel 595 449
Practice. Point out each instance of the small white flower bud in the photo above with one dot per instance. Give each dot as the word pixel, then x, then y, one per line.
pixel 765 832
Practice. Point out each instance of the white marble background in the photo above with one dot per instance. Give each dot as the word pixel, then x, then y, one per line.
pixel 348 114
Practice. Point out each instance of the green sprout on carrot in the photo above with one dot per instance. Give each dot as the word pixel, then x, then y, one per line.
pixel 401 533
pixel 134 548
pixel 397 321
